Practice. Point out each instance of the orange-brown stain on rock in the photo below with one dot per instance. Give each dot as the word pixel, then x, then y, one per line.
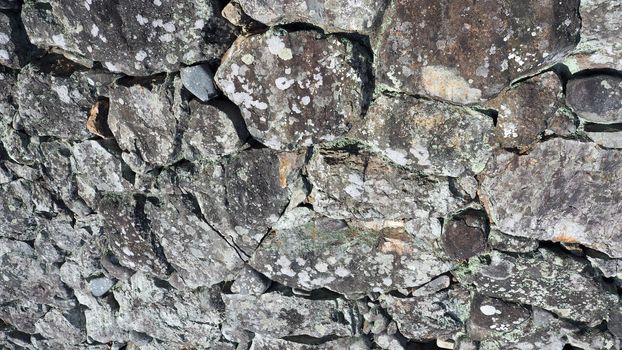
pixel 564 238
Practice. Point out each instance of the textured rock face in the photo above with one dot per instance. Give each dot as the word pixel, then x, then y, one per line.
pixel 330 15
pixel 136 38
pixel 297 88
pixel 572 195
pixel 467 52
pixel 434 138
pixel 313 175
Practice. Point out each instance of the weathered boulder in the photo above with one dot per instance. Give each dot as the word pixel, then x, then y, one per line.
pixel 278 316
pixel 133 37
pixel 526 111
pixel 601 29
pixel 572 196
pixel 432 137
pixel 440 315
pixel 295 88
pixel 466 53
pixel 308 251
pixel 554 282
pixel 330 15
pixel 596 98
pixel 53 105
pixel 353 183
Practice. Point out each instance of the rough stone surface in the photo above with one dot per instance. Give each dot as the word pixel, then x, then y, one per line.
pixel 551 281
pixel 468 52
pixel 526 111
pixel 572 195
pixel 295 88
pixel 330 15
pixel 135 38
pixel 318 252
pixel 434 138
pixel 326 174
pixel 597 98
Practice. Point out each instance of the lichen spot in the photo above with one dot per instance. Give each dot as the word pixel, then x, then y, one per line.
pixel 248 59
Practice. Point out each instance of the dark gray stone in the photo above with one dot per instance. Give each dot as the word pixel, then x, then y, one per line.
pixel 596 98
pixel 199 80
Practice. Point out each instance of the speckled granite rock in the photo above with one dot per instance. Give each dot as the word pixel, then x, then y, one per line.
pixel 572 195
pixel 468 52
pixel 330 15
pixel 135 38
pixel 295 88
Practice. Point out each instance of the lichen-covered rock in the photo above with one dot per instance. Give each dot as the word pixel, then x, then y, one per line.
pixel 596 98
pixel 431 137
pixel 508 243
pixel 311 252
pixel 132 37
pixel 261 342
pixel 601 29
pixel 353 183
pixel 144 122
pixel 212 130
pixel 525 111
pixel 429 317
pixel 295 88
pixel 249 281
pixel 245 194
pixel 25 208
pixel 188 318
pixel 572 196
pixel 278 316
pixel 554 282
pixel 52 105
pixel 468 52
pixel 330 15
pixel 198 254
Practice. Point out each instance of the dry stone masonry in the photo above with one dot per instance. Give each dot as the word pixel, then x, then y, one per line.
pixel 310 174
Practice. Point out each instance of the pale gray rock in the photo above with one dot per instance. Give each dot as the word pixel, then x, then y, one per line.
pixel 295 88
pixel 278 316
pixel 100 285
pixel 261 342
pixel 308 251
pixel 60 331
pixel 212 130
pixel 466 53
pixel 596 98
pixel 608 139
pixel 554 282
pixel 199 80
pixel 135 38
pixel 431 137
pixel 249 281
pixel 572 196
pixel 441 315
pixel 23 314
pixel 52 105
pixel 601 29
pixel 330 15
pixel 25 206
pixel 507 243
pixel 352 183
pixel 197 253
pixel 180 318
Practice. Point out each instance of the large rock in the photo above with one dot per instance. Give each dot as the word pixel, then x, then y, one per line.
pixel 554 282
pixel 53 105
pixel 525 111
pixel 189 318
pixel 25 209
pixel 295 88
pixel 242 196
pixel 330 15
pixel 440 315
pixel 432 137
pixel 310 252
pixel 133 37
pixel 572 196
pixel 596 98
pixel 279 316
pixel 601 29
pixel 353 183
pixel 467 52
